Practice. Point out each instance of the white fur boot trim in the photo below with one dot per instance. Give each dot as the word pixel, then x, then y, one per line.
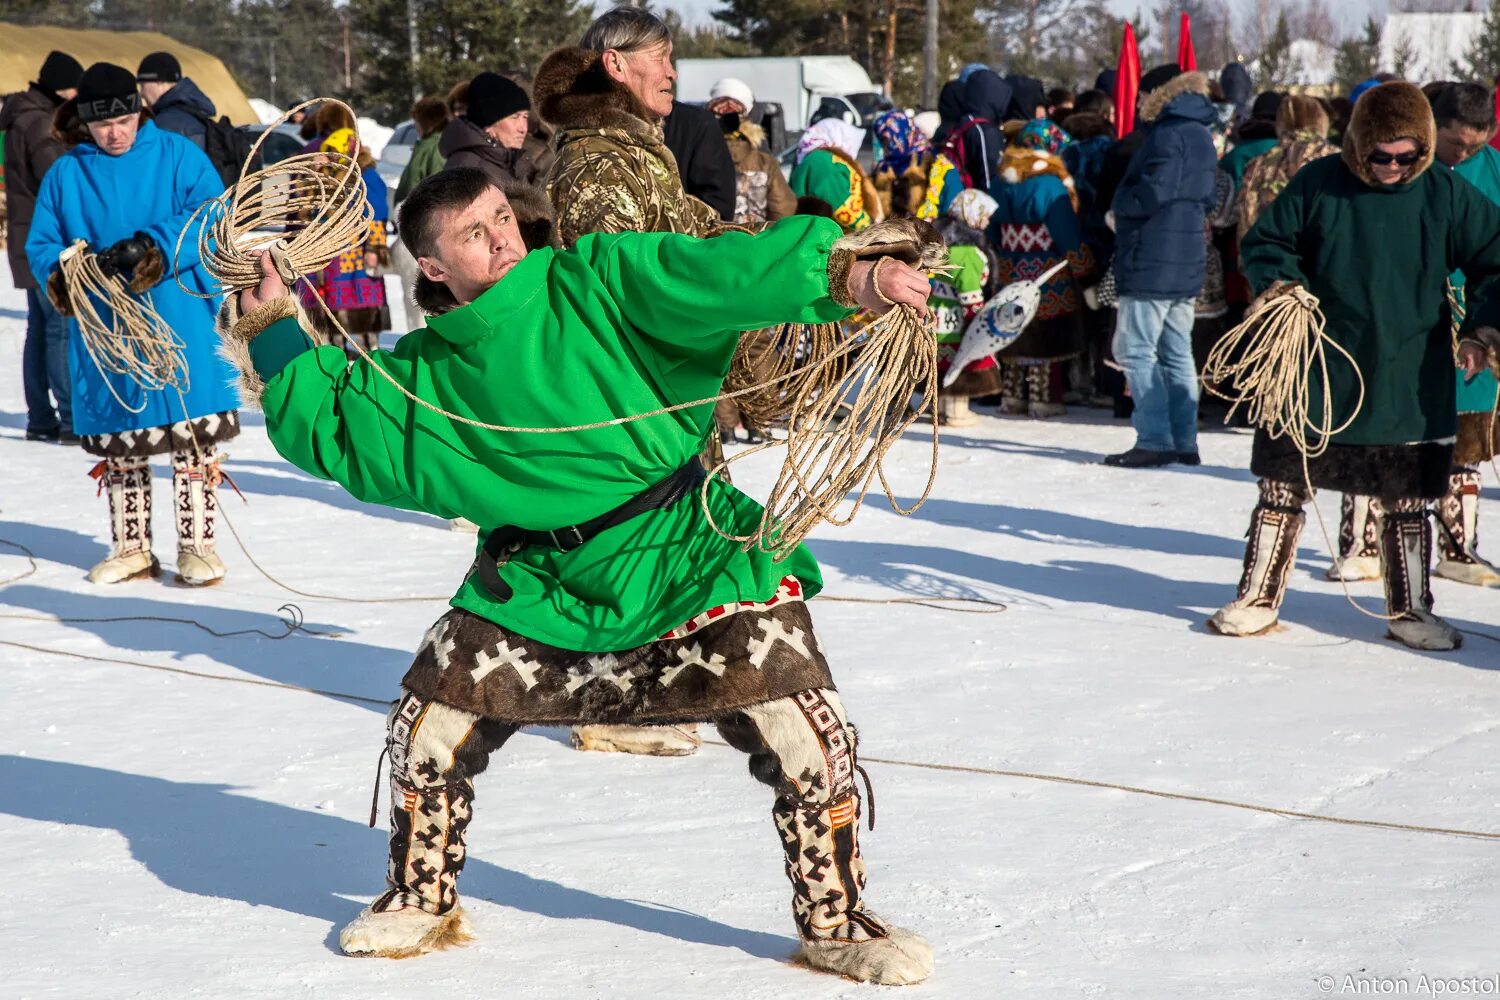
pixel 199 569
pixel 126 566
pixel 1241 620
pixel 1352 568
pixel 404 933
pixel 463 525
pixel 1475 574
pixel 901 959
pixel 652 741
pixel 1424 630
pixel 954 411
pixel 1046 411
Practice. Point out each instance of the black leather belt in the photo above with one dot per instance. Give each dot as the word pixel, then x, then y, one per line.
pixel 505 541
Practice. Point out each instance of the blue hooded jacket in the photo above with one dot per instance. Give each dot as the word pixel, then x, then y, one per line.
pixel 1163 200
pixel 152 187
pixel 174 111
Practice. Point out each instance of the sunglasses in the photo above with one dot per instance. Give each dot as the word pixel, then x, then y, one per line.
pixel 1380 159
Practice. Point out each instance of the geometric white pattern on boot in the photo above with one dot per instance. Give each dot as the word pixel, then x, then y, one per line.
pixel 651 741
pixel 1477 574
pixel 1424 630
pixel 199 570
pixel 1352 568
pixel 129 566
pixel 901 959
pixel 1242 619
pixel 404 933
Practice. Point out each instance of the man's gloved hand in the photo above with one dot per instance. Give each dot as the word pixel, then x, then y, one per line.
pixel 120 260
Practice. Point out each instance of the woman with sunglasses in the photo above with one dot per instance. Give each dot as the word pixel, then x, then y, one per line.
pixel 1374 234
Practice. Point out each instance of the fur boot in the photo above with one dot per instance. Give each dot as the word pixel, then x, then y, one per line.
pixel 1458 533
pixel 198 565
pixel 804 748
pixel 1405 551
pixel 652 741
pixel 1039 386
pixel 1012 389
pixel 1359 540
pixel 436 750
pixel 1275 525
pixel 128 482
pixel 954 411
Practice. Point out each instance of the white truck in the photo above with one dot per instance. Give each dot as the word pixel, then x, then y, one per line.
pixel 802 85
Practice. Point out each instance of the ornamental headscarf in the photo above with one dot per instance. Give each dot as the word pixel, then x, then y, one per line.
pixel 902 141
pixel 831 133
pixel 1040 134
pixel 973 208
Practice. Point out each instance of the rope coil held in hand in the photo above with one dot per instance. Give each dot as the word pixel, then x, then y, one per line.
pixel 869 382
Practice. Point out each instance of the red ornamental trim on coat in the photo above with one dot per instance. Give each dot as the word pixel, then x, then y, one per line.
pixel 789 590
pixel 1025 237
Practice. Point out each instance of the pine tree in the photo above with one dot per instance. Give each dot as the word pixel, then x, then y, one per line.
pixel 1358 58
pixel 1275 68
pixel 1483 54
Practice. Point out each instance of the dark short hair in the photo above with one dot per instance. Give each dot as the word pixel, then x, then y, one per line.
pixel 1059 95
pixel 1468 104
pixel 1093 102
pixel 430 114
pixel 456 187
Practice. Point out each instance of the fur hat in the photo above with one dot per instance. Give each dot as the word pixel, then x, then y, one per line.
pixel 1154 103
pixel 1388 113
pixel 1299 113
pixel 573 91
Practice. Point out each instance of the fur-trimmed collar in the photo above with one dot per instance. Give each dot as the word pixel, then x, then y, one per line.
pixel 1017 165
pixel 573 92
pixel 1387 113
pixel 1154 103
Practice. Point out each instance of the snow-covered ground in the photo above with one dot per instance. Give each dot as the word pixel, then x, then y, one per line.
pixel 175 837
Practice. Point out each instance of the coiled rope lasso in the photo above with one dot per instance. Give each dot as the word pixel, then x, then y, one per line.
pixel 852 399
pixel 134 341
pixel 1270 360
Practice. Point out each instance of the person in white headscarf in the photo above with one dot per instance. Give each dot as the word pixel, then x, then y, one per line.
pixel 828 179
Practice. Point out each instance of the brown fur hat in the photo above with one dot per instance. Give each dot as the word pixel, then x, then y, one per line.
pixel 430 115
pixel 1388 113
pixel 1299 113
pixel 573 91
pixel 1154 103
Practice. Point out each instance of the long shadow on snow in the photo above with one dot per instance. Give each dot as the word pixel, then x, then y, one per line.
pixel 1079 457
pixel 345 665
pixel 899 567
pixel 303 487
pixel 207 840
pixel 59 545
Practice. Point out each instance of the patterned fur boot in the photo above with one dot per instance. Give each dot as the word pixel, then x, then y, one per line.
pixel 1275 525
pixel 804 748
pixel 1405 551
pixel 1039 386
pixel 198 565
pixel 128 481
pixel 650 741
pixel 1458 533
pixel 1012 389
pixel 436 750
pixel 1359 540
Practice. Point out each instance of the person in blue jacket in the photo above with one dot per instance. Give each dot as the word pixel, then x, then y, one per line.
pixel 1160 261
pixel 127 189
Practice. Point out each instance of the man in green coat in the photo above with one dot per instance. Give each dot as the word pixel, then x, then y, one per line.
pixel 1374 235
pixel 601 591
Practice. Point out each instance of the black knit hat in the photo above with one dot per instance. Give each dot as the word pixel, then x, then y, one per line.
pixel 493 97
pixel 1160 76
pixel 107 91
pixel 159 67
pixel 1266 105
pixel 60 71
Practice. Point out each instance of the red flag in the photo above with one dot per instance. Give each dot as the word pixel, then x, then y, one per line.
pixel 1186 57
pixel 1127 83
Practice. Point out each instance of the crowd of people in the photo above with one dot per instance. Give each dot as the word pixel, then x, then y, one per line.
pixel 566 222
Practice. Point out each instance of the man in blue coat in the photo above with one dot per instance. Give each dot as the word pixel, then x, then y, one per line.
pixel 126 189
pixel 1160 258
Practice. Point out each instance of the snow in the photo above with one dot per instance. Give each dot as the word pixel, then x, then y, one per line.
pixel 172 836
pixel 265 110
pixel 1436 44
